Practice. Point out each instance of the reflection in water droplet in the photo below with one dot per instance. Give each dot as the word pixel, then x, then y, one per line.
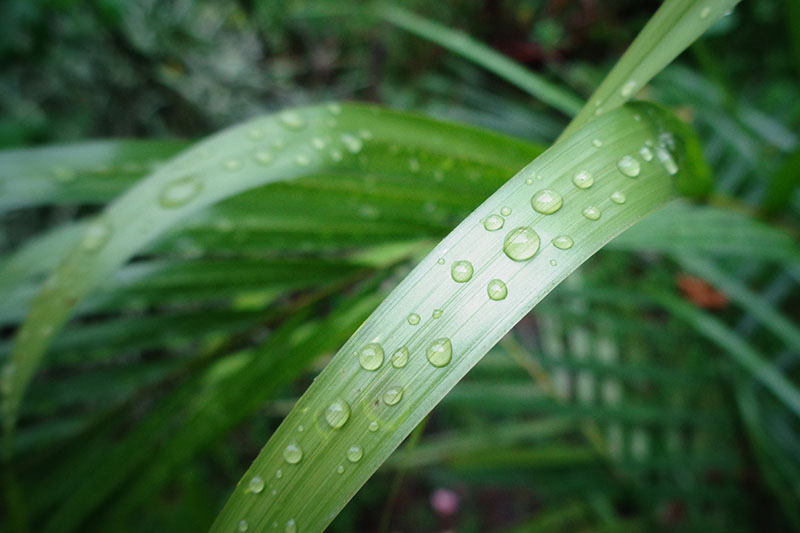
pixel 373 426
pixel 563 242
pixel 505 211
pixel 180 192
pixel 666 160
pixel 628 166
pixel 493 222
pixel 583 179
pixel 546 202
pixel 400 357
pixel 413 319
pixel 645 153
pixel 352 143
pixel 497 290
pixel 393 395
pixel 618 197
pixel 292 120
pixel 371 356
pixel 437 313
pixel 440 352
pixel 521 244
pixel 355 453
pixel 293 453
pixel 592 213
pixel 256 485
pixel 461 271
pixel 242 526
pixel 337 414
pixel 96 236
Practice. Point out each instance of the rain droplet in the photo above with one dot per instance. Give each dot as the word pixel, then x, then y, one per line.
pixel 292 120
pixel 293 453
pixel 97 234
pixel 393 395
pixel 546 202
pixel 629 88
pixel 597 142
pixel 355 453
pixel 583 179
pixel 666 160
pixel 371 356
pixel 629 166
pixel 291 527
pixel 497 290
pixel 494 222
pixel 180 192
pixel 242 526
pixel 618 197
pixel 521 244
pixel 461 271
pixel 337 413
pixel 263 157
pixel 413 319
pixel 563 242
pixel 592 213
pixel 440 352
pixel 373 426
pixel 400 357
pixel 645 153
pixel 256 485
pixel 437 313
pixel 352 143
pixel 505 211
pixel 232 164
pixel 302 160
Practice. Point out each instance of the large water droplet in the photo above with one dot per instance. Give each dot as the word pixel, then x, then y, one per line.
pixel 292 120
pixel 563 242
pixel 546 202
pixel 494 222
pixel 645 153
pixel 521 244
pixel 242 525
pixel 461 271
pixel 256 485
pixel 592 213
pixel 583 179
pixel 666 160
pixel 497 290
pixel 440 352
pixel 180 192
pixel 413 319
pixel 293 453
pixel 618 197
pixel 393 395
pixel 96 236
pixel 291 527
pixel 355 453
pixel 337 414
pixel 628 166
pixel 371 356
pixel 400 357
pixel 352 143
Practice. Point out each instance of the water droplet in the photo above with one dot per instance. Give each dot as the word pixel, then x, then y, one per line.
pixel 64 175
pixel 334 109
pixel 302 160
pixel 563 242
pixel 440 260
pixel 278 473
pixel 232 164
pixel 318 143
pixel 242 526
pixel 373 426
pixel 437 313
pixel 494 222
pixel 355 453
pixel 256 485
pixel 180 192
pixel 293 453
pixel 666 160
pixel 255 133
pixel 546 202
pixel 413 164
pixel 461 271
pixel 352 143
pixel 340 469
pixel 336 155
pixel 505 211
pixel 592 213
pixel 705 12
pixel 393 395
pixel 97 234
pixel 440 352
pixel 618 197
pixel 365 134
pixel 553 262
pixel 400 357
pixel 337 413
pixel 291 527
pixel 371 356
pixel 521 244
pixel 413 319
pixel 597 142
pixel 645 153
pixel 292 120
pixel 497 290
pixel 628 166
pixel 529 181
pixel 583 179
pixel 539 177
pixel 628 89
pixel 300 428
pixel 637 117
pixel 263 157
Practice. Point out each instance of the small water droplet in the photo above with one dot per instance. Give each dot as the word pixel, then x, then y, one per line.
pixel 291 527
pixel 629 88
pixel 96 236
pixel 497 290
pixel 539 177
pixel 583 179
pixel 437 313
pixel 302 160
pixel 355 453
pixel 352 143
pixel 645 153
pixel 64 175
pixel 232 165
pixel 461 271
pixel 292 120
pixel 180 192
pixel 667 140
pixel 371 356
pixel 400 357
pixel 318 143
pixel 413 319
pixel 505 211
pixel 373 426
pixel 293 453
pixel 242 526
pixel 334 109
pixel 546 202
pixel 666 160
pixel 521 244
pixel 592 213
pixel 413 164
pixel 563 242
pixel 365 134
pixel 494 222
pixel 440 352
pixel 300 428
pixel 597 142
pixel 278 473
pixel 637 117
pixel 255 133
pixel 529 181
pixel 340 469
pixel 256 485
pixel 629 166
pixel 440 260
pixel 618 197
pixel 337 414
pixel 263 157
pixel 393 395
pixel 336 155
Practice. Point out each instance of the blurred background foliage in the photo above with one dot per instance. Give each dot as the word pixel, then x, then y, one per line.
pixel 680 439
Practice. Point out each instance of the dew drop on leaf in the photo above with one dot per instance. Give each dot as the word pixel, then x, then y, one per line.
pixel 440 352
pixel 180 192
pixel 352 143
pixel 645 153
pixel 546 202
pixel 618 197
pixel 628 88
pixel 371 356
pixel 373 426
pixel 493 222
pixel 705 12
pixel 302 160
pixel 597 142
pixel 232 165
pixel 242 525
pixel 592 213
pixel 334 109
pixel 666 160
pixel 497 290
pixel 337 414
pixel 340 469
pixel 291 527
pixel 628 166
pixel 293 453
pixel 505 211
pixel 437 313
pixel 563 242
pixel 400 357
pixel 461 271
pixel 583 179
pixel 355 453
pixel 521 244
pixel 256 485
pixel 318 143
pixel 291 120
pixel 96 236
pixel 263 157
pixel 278 473
pixel 413 319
